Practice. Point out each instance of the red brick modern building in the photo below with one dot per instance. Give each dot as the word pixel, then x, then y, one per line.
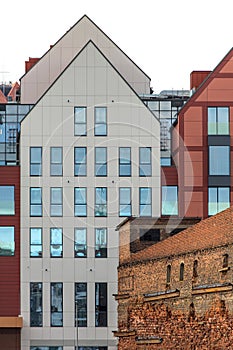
pixel 178 293
pixel 202 144
pixel 10 320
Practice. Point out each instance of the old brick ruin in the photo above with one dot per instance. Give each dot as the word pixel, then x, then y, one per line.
pixel 177 293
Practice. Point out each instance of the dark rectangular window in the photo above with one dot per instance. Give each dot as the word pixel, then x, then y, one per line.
pixel 56 161
pixel 35 161
pixel 219 160
pixel 7 240
pixel 125 161
pixel 101 201
pixel 56 243
pixel 80 121
pixel 56 304
pixel 100 121
pixel 169 200
pixel 36 306
pixel 125 201
pixel 101 242
pixel 80 161
pixel 100 161
pixel 80 201
pixel 80 304
pixel 145 201
pixel 145 161
pixel 218 121
pixel 56 201
pixel 80 242
pixel 218 199
pixel 7 200
pixel 36 248
pixel 35 201
pixel 101 302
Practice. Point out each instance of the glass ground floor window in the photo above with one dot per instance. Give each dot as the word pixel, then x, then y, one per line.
pixel 91 348
pixel 46 348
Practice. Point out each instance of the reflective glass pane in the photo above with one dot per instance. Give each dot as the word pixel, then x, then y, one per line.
pixel 100 161
pixel 100 242
pixel 56 248
pixel 7 240
pixel 125 202
pixel 36 306
pixel 7 200
pixel 81 304
pixel 80 245
pixel 56 304
pixel 219 160
pixel 80 161
pixel 36 242
pixel 56 161
pixel 169 200
pixel 80 127
pixel 145 208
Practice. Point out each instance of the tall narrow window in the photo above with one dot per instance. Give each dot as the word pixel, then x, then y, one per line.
pixel 35 201
pixel 56 304
pixel 80 201
pixel 80 121
pixel 145 161
pixel 35 161
pixel 181 271
pixel 195 266
pixel 101 243
pixel 56 201
pixel 36 306
pixel 145 205
pixel 125 201
pixel 169 274
pixel 56 245
pixel 219 160
pixel 225 260
pixel 101 161
pixel 80 161
pixel 219 199
pixel 125 161
pixel 100 121
pixel 101 201
pixel 80 304
pixel 7 200
pixel 56 161
pixel 80 242
pixel 218 121
pixel 101 305
pixel 7 240
pixel 169 200
pixel 36 242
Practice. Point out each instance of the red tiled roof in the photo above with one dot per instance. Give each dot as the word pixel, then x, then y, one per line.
pixel 211 232
pixel 2 97
pixel 13 90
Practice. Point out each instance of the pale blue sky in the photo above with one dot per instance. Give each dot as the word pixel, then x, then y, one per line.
pixel 167 39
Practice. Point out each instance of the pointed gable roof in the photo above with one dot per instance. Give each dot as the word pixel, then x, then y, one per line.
pixel 225 66
pixel 2 97
pixel 36 81
pixel 209 233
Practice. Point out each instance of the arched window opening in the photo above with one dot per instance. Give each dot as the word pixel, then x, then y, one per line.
pixel 195 265
pixel 168 274
pixel 181 271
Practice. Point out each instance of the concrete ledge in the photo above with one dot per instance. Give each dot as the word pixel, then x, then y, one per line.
pixel 121 296
pixel 124 333
pixel 211 289
pixel 11 322
pixel 162 295
pixel 152 340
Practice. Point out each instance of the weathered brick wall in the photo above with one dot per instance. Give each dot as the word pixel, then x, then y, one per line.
pixel 203 321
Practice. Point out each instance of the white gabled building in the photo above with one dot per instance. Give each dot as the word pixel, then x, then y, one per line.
pixel 90 156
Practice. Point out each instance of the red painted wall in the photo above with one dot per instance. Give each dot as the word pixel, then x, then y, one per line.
pixel 10 266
